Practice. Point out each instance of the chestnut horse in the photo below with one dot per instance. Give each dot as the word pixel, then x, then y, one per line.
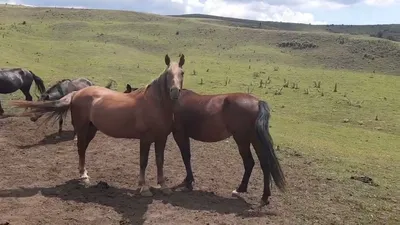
pixel 212 118
pixel 145 114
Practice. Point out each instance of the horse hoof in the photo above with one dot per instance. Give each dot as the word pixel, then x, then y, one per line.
pixel 84 181
pixel 183 189
pixel 235 193
pixel 145 192
pixel 263 203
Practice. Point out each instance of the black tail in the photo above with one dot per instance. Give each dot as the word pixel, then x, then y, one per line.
pixel 39 83
pixel 262 129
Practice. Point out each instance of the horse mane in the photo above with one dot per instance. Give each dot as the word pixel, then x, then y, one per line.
pixel 160 80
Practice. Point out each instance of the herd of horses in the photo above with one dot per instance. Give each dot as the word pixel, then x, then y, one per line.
pixel 150 114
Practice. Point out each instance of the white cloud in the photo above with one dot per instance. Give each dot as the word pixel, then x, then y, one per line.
pixel 381 2
pixel 273 10
pixel 258 10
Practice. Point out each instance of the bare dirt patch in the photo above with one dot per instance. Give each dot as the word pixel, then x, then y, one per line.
pixel 37 185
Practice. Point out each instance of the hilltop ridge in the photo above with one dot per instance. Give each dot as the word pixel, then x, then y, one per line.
pixel 386 31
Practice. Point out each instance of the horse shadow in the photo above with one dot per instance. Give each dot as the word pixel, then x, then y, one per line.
pixel 130 204
pixel 51 139
pixel 5 116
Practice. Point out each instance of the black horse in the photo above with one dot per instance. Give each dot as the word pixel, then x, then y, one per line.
pixel 18 78
pixel 62 88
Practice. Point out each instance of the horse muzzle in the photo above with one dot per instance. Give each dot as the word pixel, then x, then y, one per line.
pixel 174 93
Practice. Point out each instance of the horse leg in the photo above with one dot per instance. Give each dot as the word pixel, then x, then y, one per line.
pixel 1 110
pixel 74 132
pixel 60 124
pixel 159 151
pixel 85 136
pixel 25 91
pixel 183 143
pixel 248 163
pixel 144 158
pixel 28 96
pixel 258 147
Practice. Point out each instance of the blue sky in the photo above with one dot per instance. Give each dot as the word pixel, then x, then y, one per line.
pixel 302 11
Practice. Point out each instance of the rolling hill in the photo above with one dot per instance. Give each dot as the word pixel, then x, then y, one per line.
pixel 333 89
pixel 387 31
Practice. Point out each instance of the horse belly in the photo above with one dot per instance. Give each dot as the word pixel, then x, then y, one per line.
pixel 212 130
pixel 117 129
pixel 9 86
pixel 116 124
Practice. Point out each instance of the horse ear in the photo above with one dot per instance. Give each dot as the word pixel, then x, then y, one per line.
pixel 128 87
pixel 182 60
pixel 167 60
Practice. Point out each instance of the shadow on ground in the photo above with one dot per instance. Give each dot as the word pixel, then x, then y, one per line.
pixel 51 139
pixel 130 204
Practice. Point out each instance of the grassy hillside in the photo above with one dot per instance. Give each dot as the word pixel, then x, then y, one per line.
pixel 387 31
pixel 353 131
pixel 350 47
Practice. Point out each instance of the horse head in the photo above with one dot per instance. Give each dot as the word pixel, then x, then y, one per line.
pixel 174 76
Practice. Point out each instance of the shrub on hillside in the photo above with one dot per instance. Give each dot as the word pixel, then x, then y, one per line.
pixel 297 45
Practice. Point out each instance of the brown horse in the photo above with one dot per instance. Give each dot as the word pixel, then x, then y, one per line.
pixel 212 118
pixel 145 114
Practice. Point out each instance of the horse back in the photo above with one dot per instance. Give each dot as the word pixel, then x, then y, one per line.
pixel 107 98
pixel 12 79
pixel 78 84
pixel 215 117
pixel 13 72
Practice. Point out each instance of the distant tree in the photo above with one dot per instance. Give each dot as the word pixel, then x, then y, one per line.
pixel 379 34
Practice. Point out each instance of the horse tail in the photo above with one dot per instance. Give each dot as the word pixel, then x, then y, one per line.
pixel 110 83
pixel 39 83
pixel 262 130
pixel 58 109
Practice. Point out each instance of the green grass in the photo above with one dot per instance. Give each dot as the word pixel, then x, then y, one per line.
pixel 130 47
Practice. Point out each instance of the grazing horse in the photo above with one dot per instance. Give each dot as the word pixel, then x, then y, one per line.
pixel 212 118
pixel 62 88
pixel 145 114
pixel 17 78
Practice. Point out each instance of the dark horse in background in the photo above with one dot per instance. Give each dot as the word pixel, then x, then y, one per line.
pixel 15 79
pixel 212 118
pixel 129 88
pixel 62 88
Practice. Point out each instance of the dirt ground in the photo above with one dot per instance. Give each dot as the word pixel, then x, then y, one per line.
pixel 37 187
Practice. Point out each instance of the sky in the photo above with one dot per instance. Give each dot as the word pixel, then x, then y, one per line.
pixel 299 11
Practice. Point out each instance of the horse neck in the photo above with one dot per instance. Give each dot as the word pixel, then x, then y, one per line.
pixel 58 90
pixel 158 91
